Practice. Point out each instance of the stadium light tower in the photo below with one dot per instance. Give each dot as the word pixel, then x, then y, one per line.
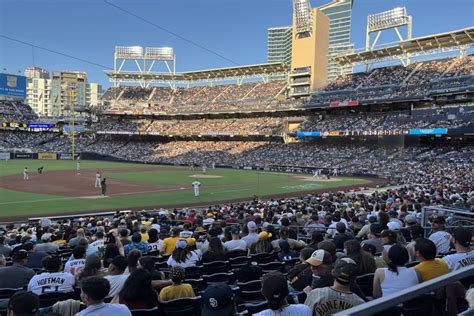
pixel 144 59
pixel 391 19
pixel 303 16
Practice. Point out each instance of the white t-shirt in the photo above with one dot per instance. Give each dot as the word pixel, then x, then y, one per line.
pixel 155 246
pixel 290 310
pixel 441 240
pixel 459 260
pixel 99 244
pixel 52 282
pixel 190 261
pixel 235 245
pixel 196 184
pixel 74 266
pixel 116 283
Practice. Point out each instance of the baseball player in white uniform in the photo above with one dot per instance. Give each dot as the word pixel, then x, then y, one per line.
pixel 334 172
pixel 196 184
pixel 26 174
pixel 78 167
pixel 97 180
pixel 204 169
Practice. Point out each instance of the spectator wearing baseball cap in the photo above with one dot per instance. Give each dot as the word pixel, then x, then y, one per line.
pixel 464 256
pixel 169 243
pixel 321 265
pixel 252 236
pixel 93 292
pixel 263 245
pixel 23 303
pixel 177 289
pixel 338 297
pixel 236 243
pixel 218 300
pixel 34 257
pixel 17 275
pixel 47 245
pixel 275 290
pixel 116 276
pixel 181 256
pixel 375 231
pixel 440 236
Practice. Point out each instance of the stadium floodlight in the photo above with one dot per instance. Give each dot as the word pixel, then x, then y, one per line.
pixel 132 52
pixel 303 17
pixel 159 53
pixel 387 19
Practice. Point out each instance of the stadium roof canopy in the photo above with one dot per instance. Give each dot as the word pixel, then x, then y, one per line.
pixel 440 41
pixel 229 73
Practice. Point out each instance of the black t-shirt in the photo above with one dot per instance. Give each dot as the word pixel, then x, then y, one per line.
pixel 300 276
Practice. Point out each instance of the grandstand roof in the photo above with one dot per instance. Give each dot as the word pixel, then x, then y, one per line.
pixel 415 45
pixel 203 75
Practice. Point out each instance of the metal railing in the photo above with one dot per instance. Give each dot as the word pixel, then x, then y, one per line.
pixel 407 294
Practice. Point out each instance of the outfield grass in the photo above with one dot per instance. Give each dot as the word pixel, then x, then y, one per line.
pixel 232 184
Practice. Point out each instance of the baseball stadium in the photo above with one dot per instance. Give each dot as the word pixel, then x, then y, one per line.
pixel 328 180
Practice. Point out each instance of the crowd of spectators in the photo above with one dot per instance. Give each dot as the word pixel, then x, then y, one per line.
pixel 16 112
pixel 307 255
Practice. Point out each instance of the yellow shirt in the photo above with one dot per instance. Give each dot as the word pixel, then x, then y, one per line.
pixel 144 237
pixel 431 269
pixel 170 244
pixel 173 292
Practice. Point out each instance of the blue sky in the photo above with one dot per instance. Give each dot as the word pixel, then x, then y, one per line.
pixel 90 29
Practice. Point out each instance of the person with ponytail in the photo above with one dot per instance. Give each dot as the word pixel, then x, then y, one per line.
pixel 396 276
pixel 275 290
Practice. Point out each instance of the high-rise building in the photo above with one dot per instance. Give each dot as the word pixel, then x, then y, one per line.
pixel 68 88
pixel 279 45
pixel 38 95
pixel 94 94
pixel 339 13
pixel 36 72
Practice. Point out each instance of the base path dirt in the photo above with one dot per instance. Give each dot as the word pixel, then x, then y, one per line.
pixel 69 183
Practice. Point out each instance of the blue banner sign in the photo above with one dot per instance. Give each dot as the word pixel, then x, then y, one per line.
pixel 12 85
pixel 308 134
pixel 33 125
pixel 428 131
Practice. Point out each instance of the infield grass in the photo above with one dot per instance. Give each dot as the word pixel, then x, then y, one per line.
pixel 229 184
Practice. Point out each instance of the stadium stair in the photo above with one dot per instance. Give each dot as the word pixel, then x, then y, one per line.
pixel 411 74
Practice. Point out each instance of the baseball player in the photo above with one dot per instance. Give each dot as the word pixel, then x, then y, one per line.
pixel 204 169
pixel 334 172
pixel 196 184
pixel 26 174
pixel 78 167
pixel 103 187
pixel 97 180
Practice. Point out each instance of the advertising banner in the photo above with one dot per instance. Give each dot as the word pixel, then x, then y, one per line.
pixel 13 85
pixel 47 156
pixel 68 156
pixel 428 131
pixel 14 125
pixel 4 156
pixel 34 126
pixel 344 103
pixel 308 134
pixel 23 156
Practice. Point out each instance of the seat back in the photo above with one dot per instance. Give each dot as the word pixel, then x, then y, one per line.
pixel 366 283
pixel 49 299
pixel 237 253
pixel 145 312
pixel 219 277
pixel 251 296
pixel 250 286
pixel 193 272
pixel 254 308
pixel 272 266
pixel 263 257
pixel 238 262
pixel 6 293
pixel 190 306
pixel 215 267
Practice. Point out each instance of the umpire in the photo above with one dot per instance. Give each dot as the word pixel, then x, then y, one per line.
pixel 103 186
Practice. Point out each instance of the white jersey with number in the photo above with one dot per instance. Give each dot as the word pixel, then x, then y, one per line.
pixel 155 246
pixel 459 260
pixel 326 301
pixel 99 244
pixel 441 240
pixel 74 266
pixel 51 282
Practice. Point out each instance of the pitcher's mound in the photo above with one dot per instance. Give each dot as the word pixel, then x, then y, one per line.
pixel 306 178
pixel 204 176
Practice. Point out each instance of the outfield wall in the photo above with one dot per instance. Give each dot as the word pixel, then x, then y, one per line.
pixel 38 155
